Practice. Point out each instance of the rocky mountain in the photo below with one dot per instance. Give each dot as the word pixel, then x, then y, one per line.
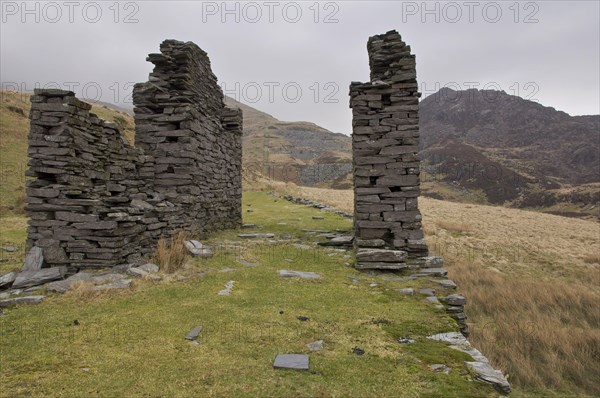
pixel 511 150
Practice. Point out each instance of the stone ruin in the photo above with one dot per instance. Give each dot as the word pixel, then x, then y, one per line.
pixel 385 143
pixel 96 201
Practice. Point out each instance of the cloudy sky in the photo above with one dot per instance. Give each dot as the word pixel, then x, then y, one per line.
pixel 295 60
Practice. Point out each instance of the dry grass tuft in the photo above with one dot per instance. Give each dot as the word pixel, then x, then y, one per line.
pixel 171 253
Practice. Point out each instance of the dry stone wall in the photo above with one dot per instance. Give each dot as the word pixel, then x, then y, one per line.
pixel 385 143
pixel 96 201
pixel 195 140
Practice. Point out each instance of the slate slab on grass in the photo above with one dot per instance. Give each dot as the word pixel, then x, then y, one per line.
pixel 291 361
pixel 21 300
pixel 7 279
pixel 33 260
pixel 284 273
pixel 39 277
pixel 250 236
pixel 194 333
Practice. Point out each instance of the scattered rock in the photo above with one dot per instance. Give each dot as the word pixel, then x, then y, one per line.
pixel 7 279
pixel 10 249
pixel 316 345
pixel 427 292
pixel 21 300
pixel 407 291
pixel 140 273
pixel 248 225
pixel 223 270
pixel 149 267
pixel 250 236
pixel 480 367
pixel 227 290
pixel 432 299
pixel 431 272
pixel 120 284
pixel 33 260
pixel 298 274
pixel 439 367
pixel 39 277
pixel 405 340
pixel 302 318
pixel 358 351
pixel 485 373
pixel 455 299
pixel 446 283
pixel 291 361
pixel 194 333
pixel 197 249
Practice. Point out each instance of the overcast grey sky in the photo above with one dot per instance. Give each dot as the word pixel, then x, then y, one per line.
pixel 265 53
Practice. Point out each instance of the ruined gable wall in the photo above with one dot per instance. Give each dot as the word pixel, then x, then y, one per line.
pixel 96 201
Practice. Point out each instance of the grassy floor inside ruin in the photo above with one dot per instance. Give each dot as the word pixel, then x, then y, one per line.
pixel 132 343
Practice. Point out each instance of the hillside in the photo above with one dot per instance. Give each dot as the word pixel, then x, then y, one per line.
pixel 295 151
pixel 509 151
pixel 512 151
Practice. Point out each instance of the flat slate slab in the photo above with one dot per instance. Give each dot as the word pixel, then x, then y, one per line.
pixel 381 255
pixel 39 277
pixel 33 260
pixel 284 273
pixel 381 265
pixel 250 236
pixel 7 279
pixel 120 284
pixel 21 300
pixel 291 361
pixel 194 333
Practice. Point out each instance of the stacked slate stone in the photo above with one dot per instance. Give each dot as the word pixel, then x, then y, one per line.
pixel 385 143
pixel 84 174
pixel 195 140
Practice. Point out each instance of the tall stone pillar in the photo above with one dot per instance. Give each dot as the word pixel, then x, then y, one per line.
pixel 385 142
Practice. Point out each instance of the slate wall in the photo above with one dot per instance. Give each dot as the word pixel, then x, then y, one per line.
pixel 96 201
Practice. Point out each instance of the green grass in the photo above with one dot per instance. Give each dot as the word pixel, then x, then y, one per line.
pixel 133 343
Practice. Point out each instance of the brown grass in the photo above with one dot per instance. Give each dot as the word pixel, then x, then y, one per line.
pixel 171 253
pixel 452 226
pixel 543 334
pixel 532 282
pixel 591 259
